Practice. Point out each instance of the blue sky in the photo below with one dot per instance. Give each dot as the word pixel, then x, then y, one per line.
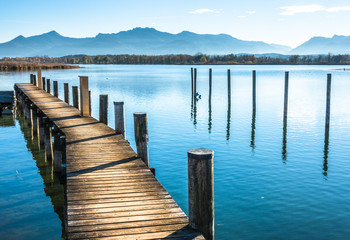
pixel 274 21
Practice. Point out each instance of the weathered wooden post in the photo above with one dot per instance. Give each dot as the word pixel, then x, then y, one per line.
pixel 90 108
pixel 66 93
pixel 31 79
pixel 286 85
pixel 141 136
pixel 48 139
pixel 44 83
pixel 41 127
pixel 40 83
pixel 59 150
pixel 84 96
pixel 229 86
pixel 35 120
pixel 48 85
pixel 201 191
pixel 55 88
pixel 192 82
pixel 195 85
pixel 104 108
pixel 328 104
pixel 254 90
pixel 210 84
pixel 119 116
pixel 75 97
pixel 34 79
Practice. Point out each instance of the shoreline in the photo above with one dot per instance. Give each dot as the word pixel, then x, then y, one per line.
pixel 19 66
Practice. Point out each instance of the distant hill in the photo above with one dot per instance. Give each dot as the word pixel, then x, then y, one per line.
pixel 146 41
pixel 322 45
pixel 149 41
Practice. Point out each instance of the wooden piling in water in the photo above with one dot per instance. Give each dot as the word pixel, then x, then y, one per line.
pixel 201 191
pixel 254 90
pixel 195 84
pixel 48 86
pixel 48 139
pixel 55 88
pixel 66 92
pixel 84 96
pixel 328 104
pixel 31 79
pixel 43 83
pixel 34 79
pixel 40 83
pixel 119 116
pixel 210 84
pixel 75 97
pixel 229 86
pixel 286 86
pixel 192 82
pixel 141 136
pixel 41 128
pixel 59 150
pixel 104 108
pixel 35 120
pixel 90 108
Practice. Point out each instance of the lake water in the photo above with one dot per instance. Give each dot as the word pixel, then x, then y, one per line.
pixel 268 185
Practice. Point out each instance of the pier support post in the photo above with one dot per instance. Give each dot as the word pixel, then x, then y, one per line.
pixel 40 83
pixel 59 150
pixel 75 97
pixel 48 139
pixel 104 108
pixel 201 191
pixel 119 116
pixel 55 88
pixel 66 93
pixel 43 83
pixel 254 90
pixel 48 86
pixel 35 120
pixel 84 96
pixel 141 136
pixel 41 128
pixel 90 109
pixel 31 79
pixel 34 80
pixel 286 85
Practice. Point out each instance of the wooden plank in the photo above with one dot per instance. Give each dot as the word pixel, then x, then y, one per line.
pixel 111 194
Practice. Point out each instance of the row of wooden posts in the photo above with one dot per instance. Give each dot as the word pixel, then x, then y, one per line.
pixel 200 161
pixel 286 86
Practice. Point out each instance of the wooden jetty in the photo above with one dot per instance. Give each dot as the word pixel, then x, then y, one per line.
pixel 110 193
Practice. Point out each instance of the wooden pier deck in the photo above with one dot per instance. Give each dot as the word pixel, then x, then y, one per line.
pixel 110 193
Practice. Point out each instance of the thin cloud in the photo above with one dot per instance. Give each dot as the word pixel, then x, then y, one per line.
pixel 203 10
pixel 241 16
pixel 292 10
pixel 338 9
pixel 251 12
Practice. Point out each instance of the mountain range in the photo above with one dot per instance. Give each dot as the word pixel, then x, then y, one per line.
pixel 149 41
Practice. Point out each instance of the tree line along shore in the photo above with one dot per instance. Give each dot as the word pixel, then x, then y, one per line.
pixel 33 63
pixel 14 65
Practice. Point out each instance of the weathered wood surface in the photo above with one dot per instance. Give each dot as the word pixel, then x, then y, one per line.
pixel 111 194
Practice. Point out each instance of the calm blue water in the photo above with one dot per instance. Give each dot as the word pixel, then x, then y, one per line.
pixel 265 188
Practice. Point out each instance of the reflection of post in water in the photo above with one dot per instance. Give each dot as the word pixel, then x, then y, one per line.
pixel 326 135
pixel 228 122
pixel 53 188
pixel 285 113
pixel 252 136
pixel 210 86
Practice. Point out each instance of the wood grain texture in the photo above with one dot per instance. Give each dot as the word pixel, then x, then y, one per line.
pixel 110 192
